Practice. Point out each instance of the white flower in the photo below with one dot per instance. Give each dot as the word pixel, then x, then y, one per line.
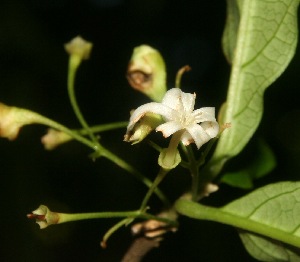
pixel 177 109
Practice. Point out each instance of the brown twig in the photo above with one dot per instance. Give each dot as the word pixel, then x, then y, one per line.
pixel 139 248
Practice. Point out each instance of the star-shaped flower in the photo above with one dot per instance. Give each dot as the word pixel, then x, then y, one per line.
pixel 177 109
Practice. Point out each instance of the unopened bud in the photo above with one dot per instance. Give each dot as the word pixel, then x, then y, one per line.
pixel 54 138
pixel 79 47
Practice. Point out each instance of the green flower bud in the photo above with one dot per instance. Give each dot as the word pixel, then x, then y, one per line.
pixel 79 47
pixel 147 72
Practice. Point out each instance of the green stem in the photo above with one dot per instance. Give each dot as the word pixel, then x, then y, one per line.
pixel 160 176
pixel 194 172
pixel 198 211
pixel 49 122
pixel 206 175
pixel 102 151
pixel 180 72
pixel 203 156
pixel 74 62
pixel 154 145
pixel 112 230
pixel 129 217
pixel 123 164
pixel 168 163
pixel 104 127
pixel 65 217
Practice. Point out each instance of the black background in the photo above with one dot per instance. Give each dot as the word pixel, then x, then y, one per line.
pixel 33 69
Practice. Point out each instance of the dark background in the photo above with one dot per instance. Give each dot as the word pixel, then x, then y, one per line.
pixel 33 69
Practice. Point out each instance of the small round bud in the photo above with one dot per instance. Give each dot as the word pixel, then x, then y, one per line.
pixel 164 159
pixel 79 47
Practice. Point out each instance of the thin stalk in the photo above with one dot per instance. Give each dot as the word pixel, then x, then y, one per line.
pixel 112 230
pixel 64 217
pixel 102 151
pixel 155 146
pixel 194 172
pixel 179 74
pixel 74 62
pixel 123 164
pixel 160 176
pixel 204 154
pixel 168 164
pixel 126 221
pixel 103 127
pixel 206 175
pixel 72 133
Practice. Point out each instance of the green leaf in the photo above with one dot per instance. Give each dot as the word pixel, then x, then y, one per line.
pixel 272 212
pixel 267 250
pixel 241 179
pixel 265 43
pixel 262 163
pixel 231 28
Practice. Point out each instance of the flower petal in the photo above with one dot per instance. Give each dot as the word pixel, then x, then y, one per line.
pixel 186 138
pixel 204 114
pixel 198 134
pixel 156 108
pixel 172 98
pixel 169 128
pixel 188 102
pixel 43 224
pixel 211 128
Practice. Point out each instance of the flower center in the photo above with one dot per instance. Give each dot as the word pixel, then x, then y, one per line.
pixel 185 119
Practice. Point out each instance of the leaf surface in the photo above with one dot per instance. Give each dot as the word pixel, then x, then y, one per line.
pixel 268 250
pixel 260 47
pixel 271 212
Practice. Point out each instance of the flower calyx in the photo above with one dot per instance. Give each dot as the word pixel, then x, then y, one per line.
pixel 44 217
pixel 79 47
